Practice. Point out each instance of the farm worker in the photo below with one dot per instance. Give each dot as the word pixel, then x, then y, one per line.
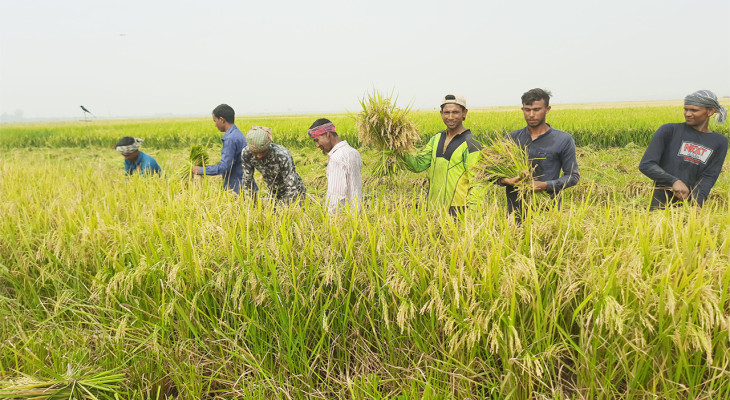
pixel 135 160
pixel 233 143
pixel 451 157
pixel 685 159
pixel 344 177
pixel 550 151
pixel 274 162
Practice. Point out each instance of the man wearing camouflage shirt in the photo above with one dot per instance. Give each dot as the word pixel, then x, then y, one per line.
pixel 274 162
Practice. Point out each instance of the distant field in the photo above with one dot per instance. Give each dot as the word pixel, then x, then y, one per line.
pixel 152 288
pixel 597 125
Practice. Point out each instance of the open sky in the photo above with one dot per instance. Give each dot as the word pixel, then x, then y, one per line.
pixel 159 57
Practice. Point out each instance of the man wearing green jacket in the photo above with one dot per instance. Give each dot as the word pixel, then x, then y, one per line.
pixel 451 157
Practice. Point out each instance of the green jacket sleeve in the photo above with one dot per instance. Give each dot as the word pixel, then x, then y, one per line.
pixel 476 189
pixel 422 160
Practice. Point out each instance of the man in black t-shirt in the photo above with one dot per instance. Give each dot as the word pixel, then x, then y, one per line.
pixel 684 160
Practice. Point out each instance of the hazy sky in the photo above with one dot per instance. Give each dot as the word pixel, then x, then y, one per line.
pixel 146 58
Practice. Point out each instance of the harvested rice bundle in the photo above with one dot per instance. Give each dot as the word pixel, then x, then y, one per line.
pixel 506 159
pixel 198 157
pixel 381 124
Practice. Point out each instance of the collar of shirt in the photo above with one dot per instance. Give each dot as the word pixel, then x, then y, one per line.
pixel 550 129
pixel 337 147
pixel 231 129
pixel 139 159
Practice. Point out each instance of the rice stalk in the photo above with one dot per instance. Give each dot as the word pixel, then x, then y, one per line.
pixel 387 128
pixel 198 158
pixel 101 385
pixel 507 159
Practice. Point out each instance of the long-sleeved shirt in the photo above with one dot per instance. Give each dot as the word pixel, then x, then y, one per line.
pixel 551 153
pixel 451 171
pixel 679 152
pixel 278 171
pixel 144 165
pixel 230 165
pixel 344 177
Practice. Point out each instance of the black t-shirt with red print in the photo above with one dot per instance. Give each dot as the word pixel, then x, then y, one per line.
pixel 679 152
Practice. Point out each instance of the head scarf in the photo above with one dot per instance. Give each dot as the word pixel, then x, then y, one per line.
pixel 129 149
pixel 707 99
pixel 267 130
pixel 258 139
pixel 321 130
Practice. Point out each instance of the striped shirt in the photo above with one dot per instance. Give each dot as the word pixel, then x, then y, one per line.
pixel 344 177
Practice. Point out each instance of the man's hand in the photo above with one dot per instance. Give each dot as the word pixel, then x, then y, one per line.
pixel 196 169
pixel 510 181
pixel 513 181
pixel 681 191
pixel 538 186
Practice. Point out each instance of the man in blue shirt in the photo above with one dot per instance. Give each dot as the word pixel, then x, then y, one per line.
pixel 135 160
pixel 233 143
pixel 550 150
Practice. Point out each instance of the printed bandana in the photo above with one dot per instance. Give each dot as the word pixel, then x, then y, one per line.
pixel 258 139
pixel 321 130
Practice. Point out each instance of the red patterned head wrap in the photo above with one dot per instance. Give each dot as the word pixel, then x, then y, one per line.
pixel 321 130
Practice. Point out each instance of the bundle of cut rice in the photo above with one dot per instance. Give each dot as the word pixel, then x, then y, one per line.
pixel 198 157
pixel 381 124
pixel 506 159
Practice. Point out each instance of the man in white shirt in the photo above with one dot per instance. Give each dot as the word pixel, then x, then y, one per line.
pixel 344 177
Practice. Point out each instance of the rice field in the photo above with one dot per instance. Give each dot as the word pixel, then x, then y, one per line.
pixel 139 288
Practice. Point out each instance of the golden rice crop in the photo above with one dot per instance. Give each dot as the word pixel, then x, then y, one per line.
pixel 502 158
pixel 386 127
pixel 144 287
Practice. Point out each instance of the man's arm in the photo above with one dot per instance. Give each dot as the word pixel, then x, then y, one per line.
pixel 709 176
pixel 421 160
pixel 228 154
pixel 649 164
pixel 291 188
pixel 569 165
pixel 476 190
pixel 153 167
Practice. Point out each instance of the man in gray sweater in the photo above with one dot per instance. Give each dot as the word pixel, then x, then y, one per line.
pixel 550 150
pixel 684 160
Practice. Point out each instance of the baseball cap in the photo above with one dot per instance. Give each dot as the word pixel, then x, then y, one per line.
pixel 454 99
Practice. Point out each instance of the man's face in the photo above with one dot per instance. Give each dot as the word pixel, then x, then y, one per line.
pixel 324 142
pixel 697 116
pixel 261 155
pixel 219 123
pixel 132 157
pixel 453 115
pixel 535 113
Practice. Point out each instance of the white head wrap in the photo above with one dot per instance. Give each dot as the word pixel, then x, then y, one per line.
pixel 126 150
